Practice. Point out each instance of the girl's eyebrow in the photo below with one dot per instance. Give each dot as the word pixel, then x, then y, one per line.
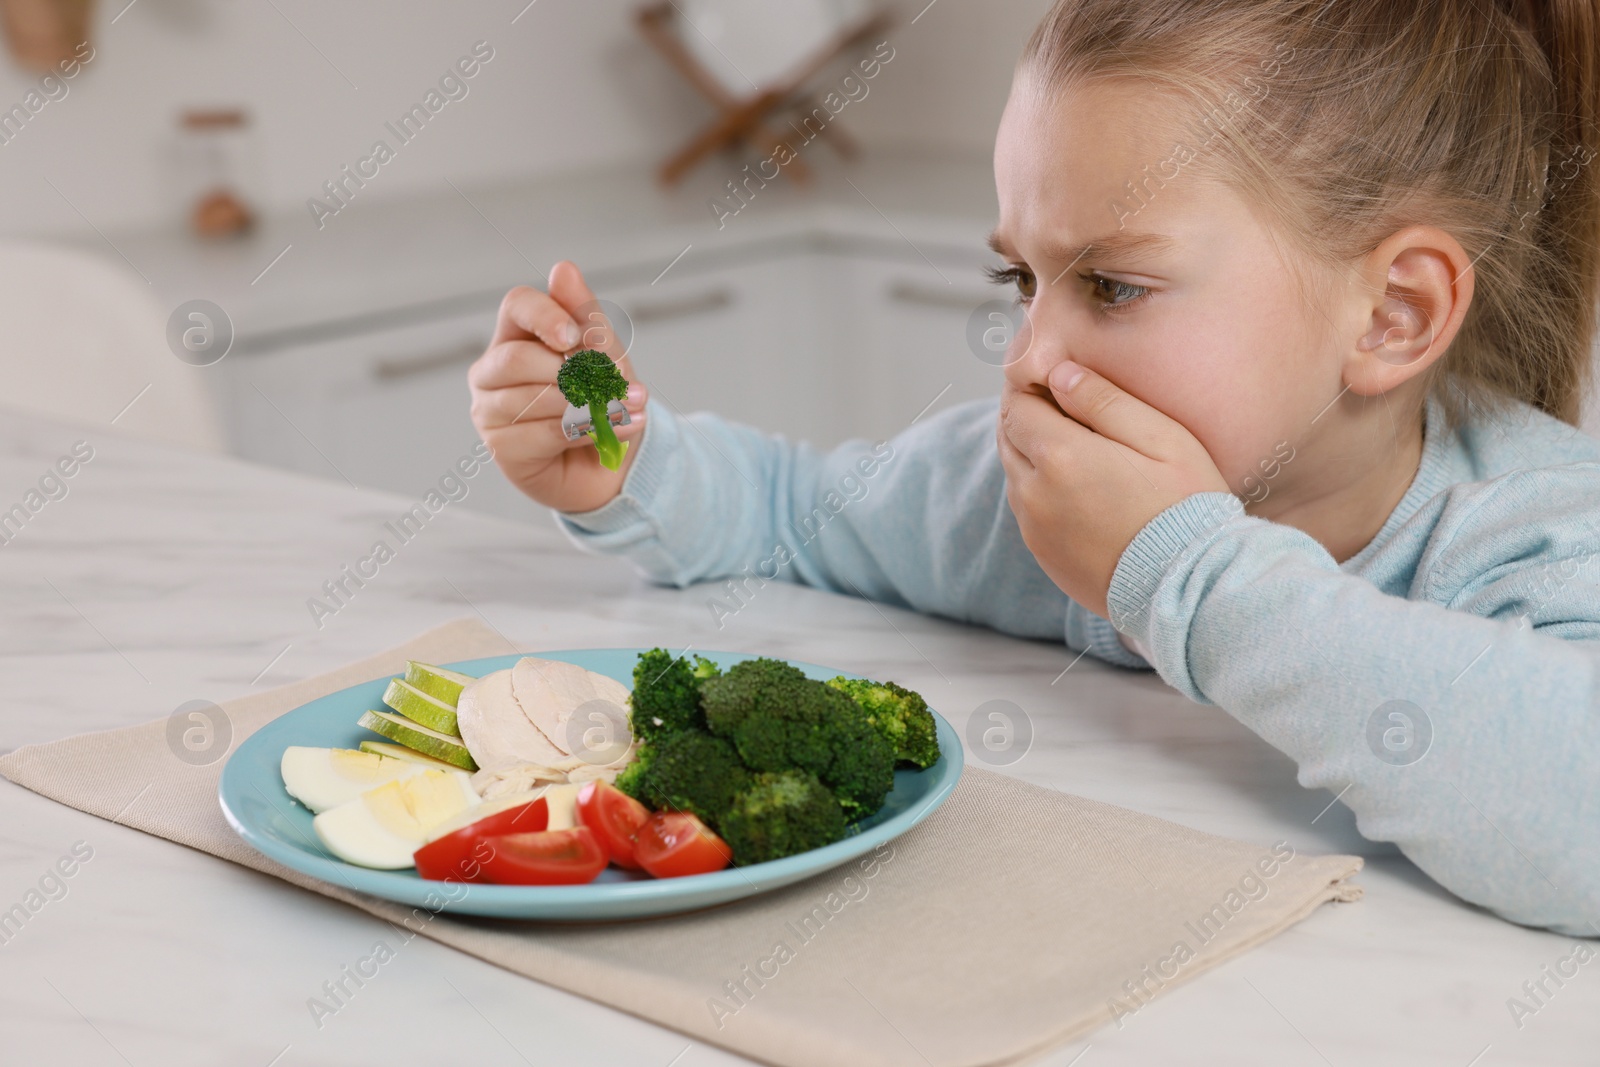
pixel 1120 242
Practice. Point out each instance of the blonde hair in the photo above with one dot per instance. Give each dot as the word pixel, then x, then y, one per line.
pixel 1346 120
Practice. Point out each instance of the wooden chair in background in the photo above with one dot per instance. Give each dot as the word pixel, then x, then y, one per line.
pixel 744 119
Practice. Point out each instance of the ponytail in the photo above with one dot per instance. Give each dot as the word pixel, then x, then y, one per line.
pixel 1568 230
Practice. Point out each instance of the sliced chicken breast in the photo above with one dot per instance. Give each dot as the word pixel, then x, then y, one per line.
pixel 551 691
pixel 496 729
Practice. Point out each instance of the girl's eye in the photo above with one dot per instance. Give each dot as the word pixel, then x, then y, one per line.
pixel 1023 279
pixel 1132 294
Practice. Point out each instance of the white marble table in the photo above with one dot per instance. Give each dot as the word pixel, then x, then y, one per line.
pixel 165 577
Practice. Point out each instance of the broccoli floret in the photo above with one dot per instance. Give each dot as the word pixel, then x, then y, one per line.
pixel 632 778
pixel 666 695
pixel 863 767
pixel 686 771
pixel 901 715
pixel 780 720
pixel 781 815
pixel 589 379
pixel 769 711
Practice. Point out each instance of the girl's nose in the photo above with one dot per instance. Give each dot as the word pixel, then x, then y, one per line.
pixel 1031 354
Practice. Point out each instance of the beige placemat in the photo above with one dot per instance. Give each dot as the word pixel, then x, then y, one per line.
pixel 1012 919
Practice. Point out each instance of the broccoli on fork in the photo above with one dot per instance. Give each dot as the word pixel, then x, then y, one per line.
pixel 589 379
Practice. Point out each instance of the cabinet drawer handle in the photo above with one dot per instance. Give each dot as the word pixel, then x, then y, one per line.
pixel 389 370
pixel 672 309
pixel 925 296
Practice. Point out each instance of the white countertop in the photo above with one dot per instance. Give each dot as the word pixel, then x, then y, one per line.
pixel 166 577
pixel 384 262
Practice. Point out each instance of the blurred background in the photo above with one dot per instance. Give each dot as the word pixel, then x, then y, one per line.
pixel 316 209
pixel 204 177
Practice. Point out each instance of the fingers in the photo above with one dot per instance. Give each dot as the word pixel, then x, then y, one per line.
pixel 563 320
pixel 1033 427
pixel 526 314
pixel 516 404
pixel 534 402
pixel 1011 459
pixel 494 408
pixel 572 293
pixel 512 363
pixel 1109 411
pixel 538 439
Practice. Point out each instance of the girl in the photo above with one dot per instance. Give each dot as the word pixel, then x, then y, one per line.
pixel 1310 289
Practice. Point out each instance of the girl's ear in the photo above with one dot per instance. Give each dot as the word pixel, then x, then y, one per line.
pixel 1419 286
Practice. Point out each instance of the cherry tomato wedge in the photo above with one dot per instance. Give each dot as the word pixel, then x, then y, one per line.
pixel 549 857
pixel 672 844
pixel 614 817
pixel 452 857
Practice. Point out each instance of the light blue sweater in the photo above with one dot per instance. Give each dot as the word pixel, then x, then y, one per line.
pixel 1464 634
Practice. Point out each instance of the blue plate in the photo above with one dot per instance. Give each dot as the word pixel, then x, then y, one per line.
pixel 257 806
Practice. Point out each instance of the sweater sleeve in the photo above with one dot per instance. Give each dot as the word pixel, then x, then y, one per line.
pixel 919 521
pixel 1460 721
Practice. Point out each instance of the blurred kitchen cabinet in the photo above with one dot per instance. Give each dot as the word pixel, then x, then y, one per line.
pixel 743 340
pixel 816 344
pixel 904 334
pixel 384 408
pixel 813 341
